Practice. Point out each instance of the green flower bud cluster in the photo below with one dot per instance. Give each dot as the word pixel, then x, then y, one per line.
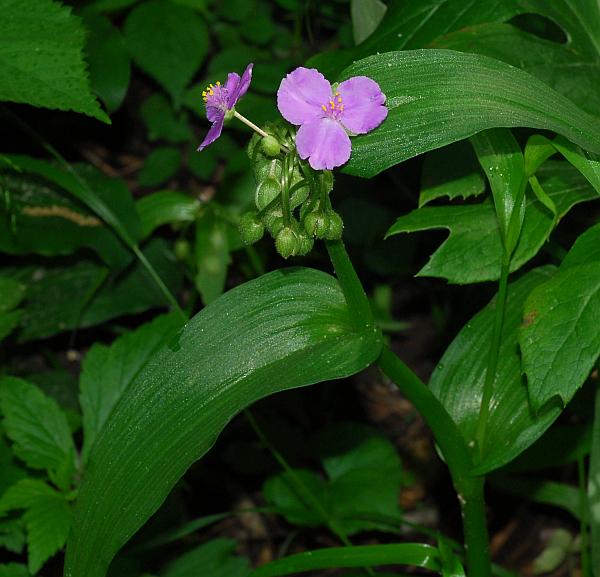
pixel 292 200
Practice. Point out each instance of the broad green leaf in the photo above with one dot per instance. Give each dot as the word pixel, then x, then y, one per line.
pixel 593 489
pixel 159 166
pixel 587 163
pixel 168 41
pixel 436 97
pixel 286 329
pixel 559 338
pixel 41 58
pixel 215 558
pixel 108 371
pixel 38 429
pixel 501 159
pixel 366 16
pixel 458 381
pixel 450 172
pixel 540 490
pixel 473 251
pixel 163 122
pixel 45 219
pixel 107 197
pixel 85 294
pixel 13 570
pixel 412 554
pixel 166 206
pixel 212 256
pixel 12 535
pixel 108 60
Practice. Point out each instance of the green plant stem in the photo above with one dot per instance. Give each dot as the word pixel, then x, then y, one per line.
pixel 355 296
pixel 586 570
pixel 257 129
pixel 492 363
pixel 456 454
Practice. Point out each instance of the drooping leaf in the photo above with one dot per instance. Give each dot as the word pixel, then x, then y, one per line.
pixel 436 97
pixel 215 558
pixel 412 554
pixel 38 429
pixel 286 329
pixel 42 218
pixel 108 371
pixel 501 160
pixel 85 294
pixel 366 16
pixel 458 381
pixel 559 338
pixel 41 58
pixel 108 59
pixel 168 41
pixel 473 251
pixel 164 207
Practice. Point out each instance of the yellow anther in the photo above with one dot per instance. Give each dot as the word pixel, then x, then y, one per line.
pixel 324 107
pixel 332 103
pixel 337 94
pixel 339 100
pixel 218 83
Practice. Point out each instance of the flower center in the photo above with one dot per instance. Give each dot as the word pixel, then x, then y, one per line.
pixel 335 107
pixel 215 95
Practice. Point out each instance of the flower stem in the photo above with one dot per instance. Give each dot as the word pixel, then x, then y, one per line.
pixel 256 128
pixel 492 365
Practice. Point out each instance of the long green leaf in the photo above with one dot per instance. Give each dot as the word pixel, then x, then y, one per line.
pixel 436 97
pixel 414 554
pixel 287 329
pixel 458 381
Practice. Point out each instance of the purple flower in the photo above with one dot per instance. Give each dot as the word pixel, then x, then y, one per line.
pixel 221 99
pixel 327 116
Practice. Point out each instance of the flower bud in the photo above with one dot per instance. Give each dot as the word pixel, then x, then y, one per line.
pixel 270 146
pixel 317 224
pixel 306 244
pixel 286 242
pixel 336 226
pixel 251 228
pixel 266 192
pixel 182 250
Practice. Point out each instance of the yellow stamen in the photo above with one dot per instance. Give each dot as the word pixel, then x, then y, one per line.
pixel 324 107
pixel 332 103
pixel 337 94
pixel 339 100
pixel 218 83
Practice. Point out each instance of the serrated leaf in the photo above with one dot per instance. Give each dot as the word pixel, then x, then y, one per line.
pixel 215 558
pixel 108 371
pixel 45 219
pixel 559 338
pixel 458 382
pixel 168 41
pixel 166 206
pixel 450 172
pixel 41 58
pixel 287 329
pixel 24 493
pixel 473 251
pixel 108 58
pixel 12 535
pixel 38 428
pixel 48 521
pixel 436 97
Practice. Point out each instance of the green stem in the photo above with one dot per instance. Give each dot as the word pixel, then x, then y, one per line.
pixel 355 296
pixel 457 456
pixel 257 129
pixel 492 364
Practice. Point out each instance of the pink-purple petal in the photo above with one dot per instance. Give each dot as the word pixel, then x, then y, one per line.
pixel 233 81
pixel 213 133
pixel 240 88
pixel 301 95
pixel 324 142
pixel 364 104
pixel 213 113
